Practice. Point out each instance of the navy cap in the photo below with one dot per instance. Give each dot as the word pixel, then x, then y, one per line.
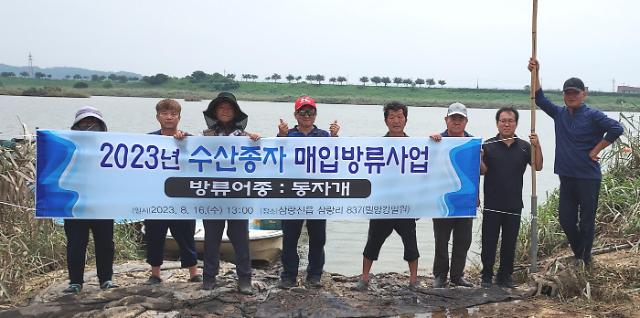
pixel 573 84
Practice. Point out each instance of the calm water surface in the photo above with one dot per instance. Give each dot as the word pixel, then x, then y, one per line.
pixel 345 239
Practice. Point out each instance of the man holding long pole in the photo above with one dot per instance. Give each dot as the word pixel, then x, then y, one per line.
pixel 582 133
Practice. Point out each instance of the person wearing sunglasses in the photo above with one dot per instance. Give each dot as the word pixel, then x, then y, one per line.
pixel 305 111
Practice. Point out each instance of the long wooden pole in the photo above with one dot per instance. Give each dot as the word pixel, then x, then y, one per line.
pixel 533 251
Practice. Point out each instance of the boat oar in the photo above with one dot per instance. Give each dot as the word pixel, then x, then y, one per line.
pixel 533 251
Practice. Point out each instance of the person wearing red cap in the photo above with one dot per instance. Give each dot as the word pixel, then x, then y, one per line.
pixel 305 114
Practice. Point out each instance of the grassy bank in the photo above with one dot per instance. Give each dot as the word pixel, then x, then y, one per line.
pixel 30 247
pixel 325 93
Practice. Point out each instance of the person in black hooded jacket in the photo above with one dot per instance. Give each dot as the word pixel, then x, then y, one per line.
pixel 225 118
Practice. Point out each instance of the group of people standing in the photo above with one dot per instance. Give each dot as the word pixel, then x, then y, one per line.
pixel 581 134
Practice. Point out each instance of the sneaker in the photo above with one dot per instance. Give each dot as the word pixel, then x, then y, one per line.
pixel 506 282
pixel 287 283
pixel 440 281
pixel 461 282
pixel 209 282
pixel 108 285
pixel 487 282
pixel 314 282
pixel 244 286
pixel 73 289
pixel 154 280
pixel 197 278
pixel 415 286
pixel 361 285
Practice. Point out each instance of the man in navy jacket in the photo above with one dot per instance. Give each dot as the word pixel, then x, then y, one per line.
pixel 581 134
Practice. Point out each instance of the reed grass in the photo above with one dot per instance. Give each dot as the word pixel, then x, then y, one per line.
pixel 29 246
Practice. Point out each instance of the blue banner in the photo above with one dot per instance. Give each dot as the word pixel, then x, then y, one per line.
pixel 99 175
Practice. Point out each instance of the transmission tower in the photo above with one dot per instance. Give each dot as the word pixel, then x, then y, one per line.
pixel 30 65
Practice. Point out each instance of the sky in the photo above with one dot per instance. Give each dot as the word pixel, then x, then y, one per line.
pixel 467 43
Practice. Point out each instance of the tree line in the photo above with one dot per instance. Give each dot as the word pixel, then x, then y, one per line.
pixel 376 80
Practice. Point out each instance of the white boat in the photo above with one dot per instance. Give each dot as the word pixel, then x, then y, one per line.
pixel 264 245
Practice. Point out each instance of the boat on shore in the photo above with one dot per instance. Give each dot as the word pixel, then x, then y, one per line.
pixel 264 245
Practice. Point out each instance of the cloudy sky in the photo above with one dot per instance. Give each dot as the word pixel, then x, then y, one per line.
pixel 461 41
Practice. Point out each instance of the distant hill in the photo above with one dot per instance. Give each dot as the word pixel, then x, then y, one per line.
pixel 59 72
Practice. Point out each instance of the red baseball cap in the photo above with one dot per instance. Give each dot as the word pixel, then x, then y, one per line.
pixel 304 101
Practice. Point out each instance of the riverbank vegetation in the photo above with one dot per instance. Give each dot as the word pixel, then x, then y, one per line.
pixel 200 85
pixel 30 247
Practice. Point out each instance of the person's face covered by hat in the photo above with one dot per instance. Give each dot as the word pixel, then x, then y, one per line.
pixel 225 113
pixel 89 124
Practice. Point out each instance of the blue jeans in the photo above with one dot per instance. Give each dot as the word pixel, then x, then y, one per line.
pixel 291 230
pixel 577 213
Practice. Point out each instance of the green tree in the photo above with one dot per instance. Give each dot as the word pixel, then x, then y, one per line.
pixel 40 75
pixel 246 77
pixel 342 80
pixel 67 77
pixel 376 80
pixel 198 77
pixel 254 77
pixel 8 74
pixel 397 81
pixel 442 83
pixel 76 76
pixel 332 80
pixel 419 81
pixel 364 80
pixel 319 78
pixel 107 84
pixel 385 80
pixel 157 79
pixel 290 78
pixel 275 77
pixel 231 76
pixel 430 82
pixel 310 78
pixel 298 78
pixel 24 74
pixel 80 85
pixel 112 77
pixel 407 81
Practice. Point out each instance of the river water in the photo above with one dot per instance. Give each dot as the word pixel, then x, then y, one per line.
pixel 345 239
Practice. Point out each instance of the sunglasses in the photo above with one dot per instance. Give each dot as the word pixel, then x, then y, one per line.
pixel 306 112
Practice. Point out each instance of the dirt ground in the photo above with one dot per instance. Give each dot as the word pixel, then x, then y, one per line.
pixel 615 292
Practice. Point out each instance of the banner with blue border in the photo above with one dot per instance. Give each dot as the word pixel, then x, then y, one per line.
pixel 99 175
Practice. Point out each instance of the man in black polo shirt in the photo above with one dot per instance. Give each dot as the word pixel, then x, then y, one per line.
pixel 504 160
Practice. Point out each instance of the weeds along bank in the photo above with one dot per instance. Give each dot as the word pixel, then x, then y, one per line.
pixel 28 246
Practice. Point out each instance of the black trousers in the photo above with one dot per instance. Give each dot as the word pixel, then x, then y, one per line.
pixel 182 232
pixel 492 224
pixel 291 230
pixel 577 213
pixel 238 233
pixel 462 229
pixel 380 229
pixel 77 232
